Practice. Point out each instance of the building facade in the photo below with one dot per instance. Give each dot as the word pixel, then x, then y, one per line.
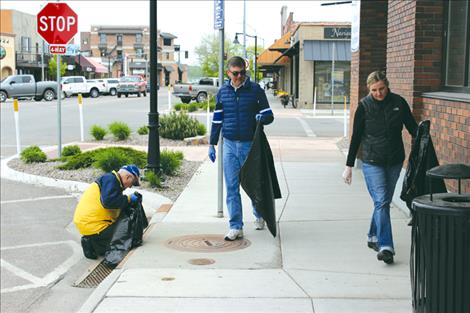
pixel 424 48
pixel 125 50
pixel 7 55
pixel 28 45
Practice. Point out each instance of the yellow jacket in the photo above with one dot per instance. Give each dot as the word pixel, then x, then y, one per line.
pixel 100 205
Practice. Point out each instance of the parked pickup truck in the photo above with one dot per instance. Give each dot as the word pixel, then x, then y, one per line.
pixel 199 92
pixel 24 86
pixel 73 85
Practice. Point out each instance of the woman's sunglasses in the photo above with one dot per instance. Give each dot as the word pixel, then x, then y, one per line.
pixel 236 73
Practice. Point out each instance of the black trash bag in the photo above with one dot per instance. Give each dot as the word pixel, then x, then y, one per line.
pixel 128 234
pixel 422 158
pixel 258 178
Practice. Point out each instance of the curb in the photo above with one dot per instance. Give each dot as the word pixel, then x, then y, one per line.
pixel 151 200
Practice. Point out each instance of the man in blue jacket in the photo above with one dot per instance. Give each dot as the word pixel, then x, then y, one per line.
pixel 240 104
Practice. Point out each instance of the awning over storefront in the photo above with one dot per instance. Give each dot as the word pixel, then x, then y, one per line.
pixel 169 68
pixel 289 52
pixel 322 50
pixel 90 65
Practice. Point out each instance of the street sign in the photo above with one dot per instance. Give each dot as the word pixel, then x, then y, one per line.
pixel 57 23
pixel 57 49
pixel 218 14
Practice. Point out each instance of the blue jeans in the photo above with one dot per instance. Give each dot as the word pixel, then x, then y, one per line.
pixel 235 154
pixel 381 181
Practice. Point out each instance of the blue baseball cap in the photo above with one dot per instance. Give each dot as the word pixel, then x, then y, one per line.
pixel 134 170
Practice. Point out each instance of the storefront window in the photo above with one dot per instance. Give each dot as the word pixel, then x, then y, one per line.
pixel 457 41
pixel 322 78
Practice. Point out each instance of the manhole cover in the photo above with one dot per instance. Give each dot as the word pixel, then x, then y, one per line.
pixel 201 261
pixel 206 243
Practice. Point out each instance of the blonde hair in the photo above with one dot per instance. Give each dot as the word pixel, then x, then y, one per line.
pixel 375 77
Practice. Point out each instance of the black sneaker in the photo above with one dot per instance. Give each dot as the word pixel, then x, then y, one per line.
pixel 88 250
pixel 386 256
pixel 373 245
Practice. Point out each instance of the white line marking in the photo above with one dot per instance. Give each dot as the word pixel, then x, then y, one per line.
pixel 49 278
pixel 37 199
pixel 306 127
pixel 20 273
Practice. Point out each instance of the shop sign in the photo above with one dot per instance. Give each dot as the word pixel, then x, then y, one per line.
pixel 337 33
pixel 355 27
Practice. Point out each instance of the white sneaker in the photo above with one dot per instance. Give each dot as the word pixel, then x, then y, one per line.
pixel 259 223
pixel 234 234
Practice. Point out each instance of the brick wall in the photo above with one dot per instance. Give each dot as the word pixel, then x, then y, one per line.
pixel 372 50
pixel 450 132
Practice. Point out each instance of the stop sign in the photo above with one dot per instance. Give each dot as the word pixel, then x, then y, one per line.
pixel 57 23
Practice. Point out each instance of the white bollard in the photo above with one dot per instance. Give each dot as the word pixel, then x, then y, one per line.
pixel 315 102
pixel 345 122
pixel 208 114
pixel 80 109
pixel 17 125
pixel 169 98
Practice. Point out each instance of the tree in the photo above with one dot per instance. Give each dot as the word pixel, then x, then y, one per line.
pixel 53 67
pixel 208 54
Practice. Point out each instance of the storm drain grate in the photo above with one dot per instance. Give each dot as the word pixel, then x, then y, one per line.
pixel 206 243
pixel 96 276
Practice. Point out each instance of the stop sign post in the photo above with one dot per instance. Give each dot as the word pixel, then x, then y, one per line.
pixel 57 23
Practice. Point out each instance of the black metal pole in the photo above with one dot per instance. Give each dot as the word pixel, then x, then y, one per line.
pixel 256 58
pixel 154 140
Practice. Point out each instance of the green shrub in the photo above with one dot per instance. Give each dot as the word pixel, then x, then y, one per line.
pixel 212 107
pixel 98 132
pixel 178 126
pixel 184 107
pixel 154 180
pixel 110 160
pixel 170 161
pixel 89 158
pixel 144 130
pixel 201 129
pixel 33 154
pixel 120 130
pixel 193 107
pixel 178 106
pixel 71 150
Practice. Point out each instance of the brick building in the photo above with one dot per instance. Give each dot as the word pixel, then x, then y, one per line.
pixel 125 50
pixel 424 48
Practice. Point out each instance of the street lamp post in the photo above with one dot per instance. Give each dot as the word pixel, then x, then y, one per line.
pixel 235 41
pixel 153 156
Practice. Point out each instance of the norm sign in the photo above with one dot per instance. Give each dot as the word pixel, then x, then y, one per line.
pixel 57 23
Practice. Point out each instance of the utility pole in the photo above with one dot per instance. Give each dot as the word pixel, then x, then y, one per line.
pixel 154 140
pixel 244 29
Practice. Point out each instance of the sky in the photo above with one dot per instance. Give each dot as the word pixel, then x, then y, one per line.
pixel 190 20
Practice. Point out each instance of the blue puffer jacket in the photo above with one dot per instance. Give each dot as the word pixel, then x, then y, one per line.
pixel 235 112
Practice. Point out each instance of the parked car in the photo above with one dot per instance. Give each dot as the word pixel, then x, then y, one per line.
pixel 100 83
pixel 24 86
pixel 199 92
pixel 111 86
pixel 133 84
pixel 73 85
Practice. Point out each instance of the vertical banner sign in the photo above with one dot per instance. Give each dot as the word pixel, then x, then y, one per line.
pixel 355 27
pixel 57 23
pixel 218 14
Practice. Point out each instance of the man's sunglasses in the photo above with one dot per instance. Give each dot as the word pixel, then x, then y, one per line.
pixel 236 73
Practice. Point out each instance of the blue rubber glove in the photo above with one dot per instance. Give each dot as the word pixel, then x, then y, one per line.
pixel 212 153
pixel 259 117
pixel 134 198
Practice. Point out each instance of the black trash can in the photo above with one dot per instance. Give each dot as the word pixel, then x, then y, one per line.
pixel 440 249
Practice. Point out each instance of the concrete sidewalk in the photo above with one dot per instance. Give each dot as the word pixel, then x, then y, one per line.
pixel 318 263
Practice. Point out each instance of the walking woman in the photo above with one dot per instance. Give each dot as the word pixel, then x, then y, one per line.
pixel 378 124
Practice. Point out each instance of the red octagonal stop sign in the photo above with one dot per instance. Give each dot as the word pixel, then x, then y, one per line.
pixel 57 23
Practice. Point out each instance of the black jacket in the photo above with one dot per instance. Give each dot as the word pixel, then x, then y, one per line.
pixel 378 127
pixel 422 158
pixel 258 178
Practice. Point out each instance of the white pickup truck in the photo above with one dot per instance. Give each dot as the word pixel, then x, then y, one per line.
pixel 73 85
pixel 199 92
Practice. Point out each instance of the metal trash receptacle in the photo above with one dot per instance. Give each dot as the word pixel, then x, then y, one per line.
pixel 440 249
